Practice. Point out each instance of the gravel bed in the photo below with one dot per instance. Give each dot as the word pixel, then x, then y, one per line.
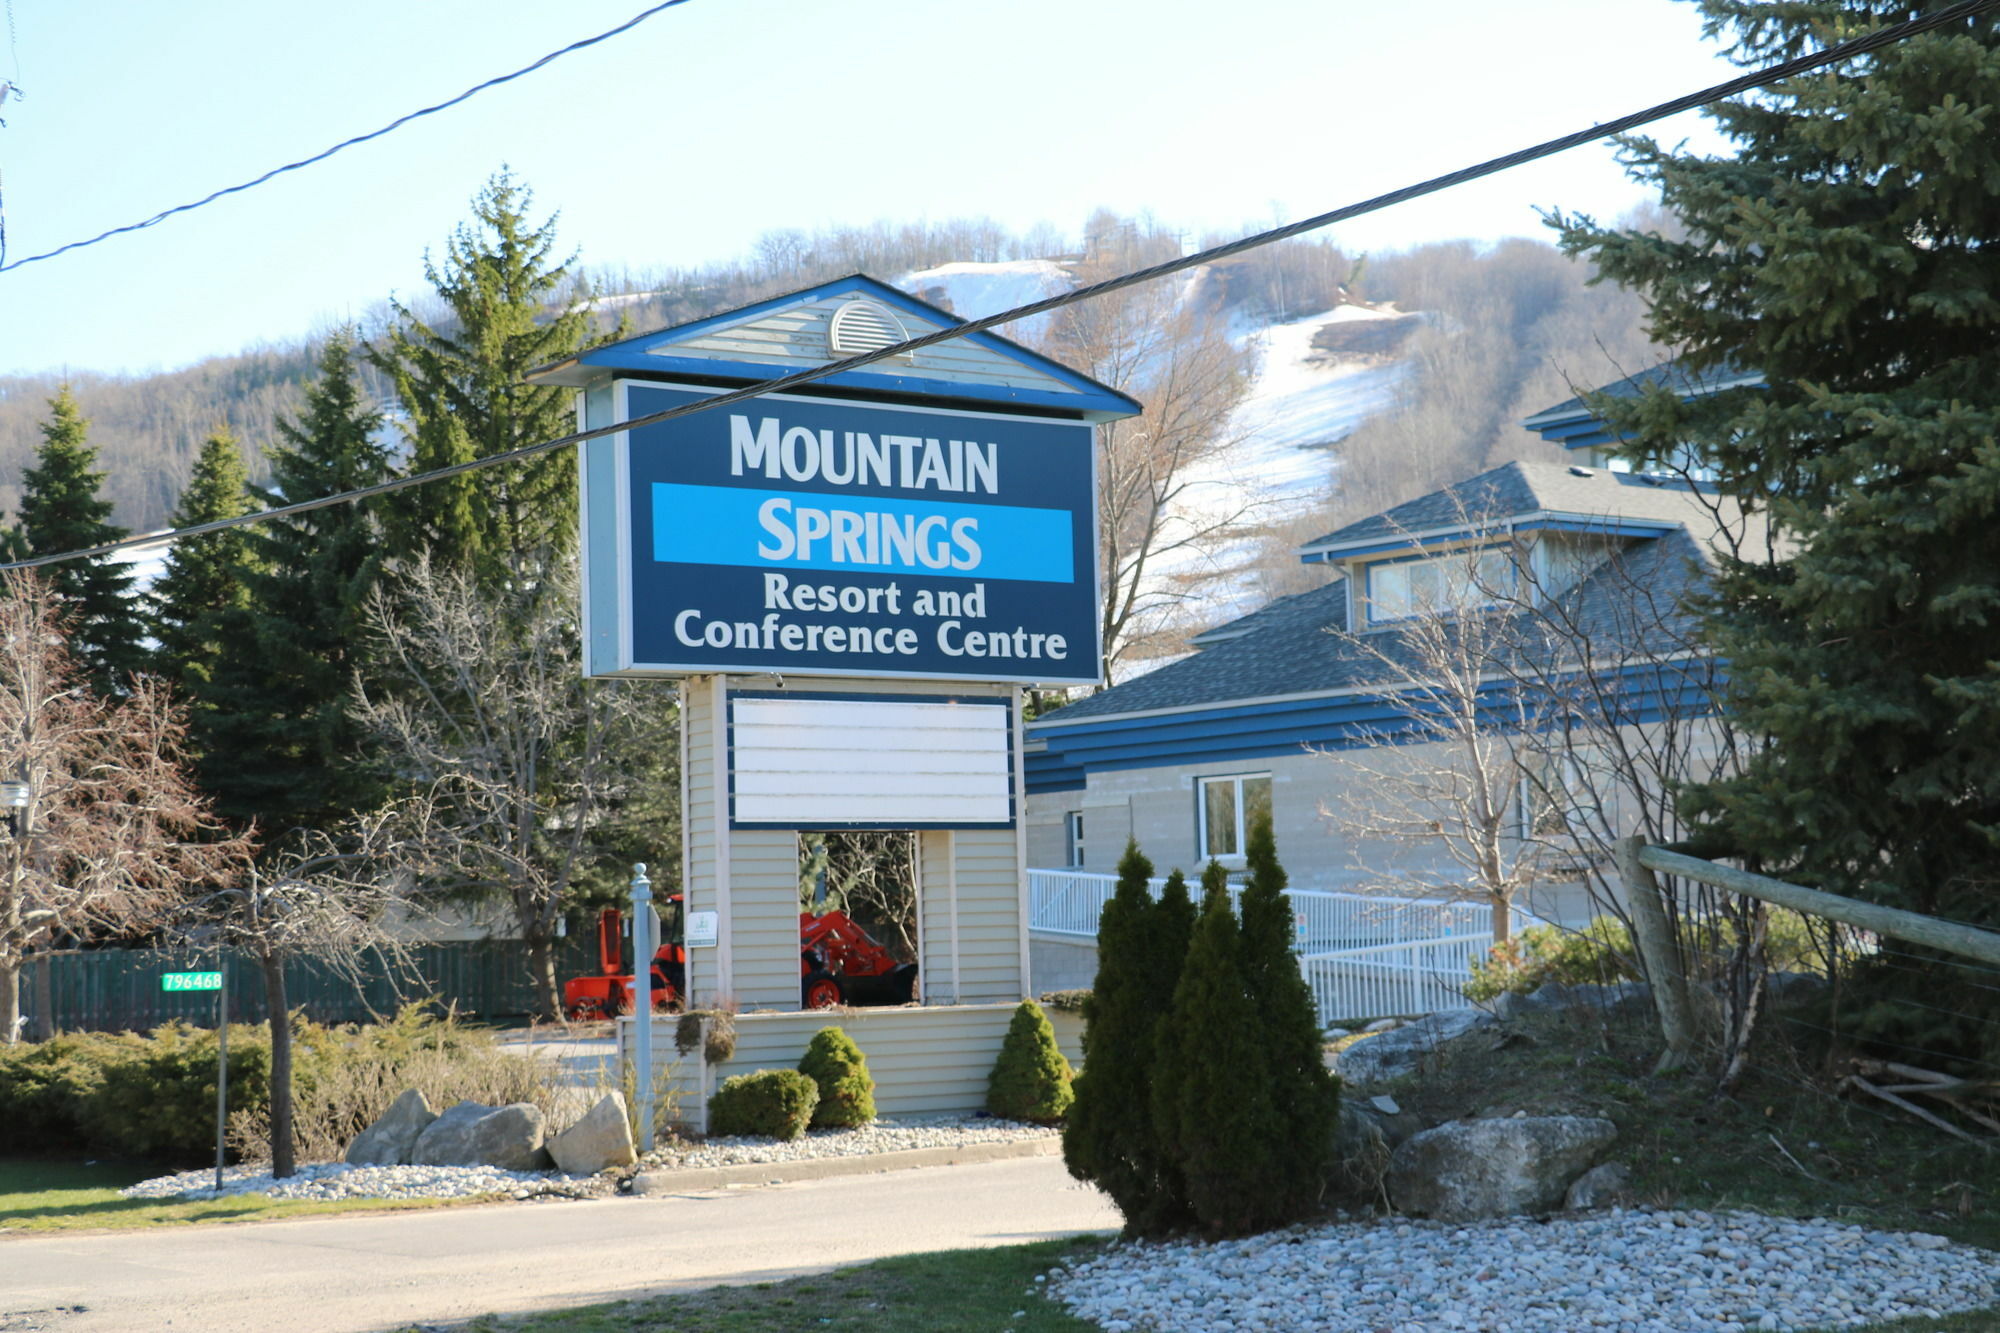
pixel 942 1131
pixel 338 1180
pixel 1631 1270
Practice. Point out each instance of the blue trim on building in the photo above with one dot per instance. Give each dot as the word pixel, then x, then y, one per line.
pixel 1260 731
pixel 1425 547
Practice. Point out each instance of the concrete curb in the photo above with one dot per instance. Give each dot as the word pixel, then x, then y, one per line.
pixel 672 1180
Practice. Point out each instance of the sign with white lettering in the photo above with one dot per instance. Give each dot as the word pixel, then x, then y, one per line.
pixel 823 537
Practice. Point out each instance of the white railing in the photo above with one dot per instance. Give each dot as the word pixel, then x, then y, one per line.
pixel 1394 980
pixel 1068 902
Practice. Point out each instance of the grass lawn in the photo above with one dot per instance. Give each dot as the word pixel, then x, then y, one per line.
pixel 38 1196
pixel 957 1291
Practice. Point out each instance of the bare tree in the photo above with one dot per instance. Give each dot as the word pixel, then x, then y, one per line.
pixel 326 897
pixel 113 832
pixel 487 708
pixel 871 876
pixel 1171 517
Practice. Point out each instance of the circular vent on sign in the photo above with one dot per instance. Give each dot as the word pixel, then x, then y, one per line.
pixel 863 326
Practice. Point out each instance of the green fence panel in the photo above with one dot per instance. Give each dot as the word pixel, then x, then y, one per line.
pixel 118 990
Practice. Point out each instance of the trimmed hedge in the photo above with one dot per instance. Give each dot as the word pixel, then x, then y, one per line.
pixel 772 1104
pixel 1031 1079
pixel 846 1089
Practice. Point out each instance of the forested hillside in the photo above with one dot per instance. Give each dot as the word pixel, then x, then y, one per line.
pixel 1498 333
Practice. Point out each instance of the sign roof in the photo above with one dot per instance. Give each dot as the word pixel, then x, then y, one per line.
pixel 795 331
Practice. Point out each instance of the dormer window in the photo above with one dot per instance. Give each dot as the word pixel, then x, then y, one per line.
pixel 1460 581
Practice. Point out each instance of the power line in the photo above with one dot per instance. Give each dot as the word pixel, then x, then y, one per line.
pixel 395 124
pixel 1687 102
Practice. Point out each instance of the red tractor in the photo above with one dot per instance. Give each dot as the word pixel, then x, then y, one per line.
pixel 840 963
pixel 610 991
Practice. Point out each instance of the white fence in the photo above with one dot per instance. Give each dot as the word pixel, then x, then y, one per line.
pixel 1393 980
pixel 1364 955
pixel 1068 902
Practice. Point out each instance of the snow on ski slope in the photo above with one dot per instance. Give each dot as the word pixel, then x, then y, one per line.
pixel 975 290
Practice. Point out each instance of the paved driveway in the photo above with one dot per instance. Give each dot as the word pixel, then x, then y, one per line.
pixel 350 1274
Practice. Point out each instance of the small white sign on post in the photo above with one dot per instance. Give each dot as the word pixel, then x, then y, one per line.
pixel 701 929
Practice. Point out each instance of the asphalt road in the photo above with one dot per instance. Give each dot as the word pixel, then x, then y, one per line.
pixel 384 1271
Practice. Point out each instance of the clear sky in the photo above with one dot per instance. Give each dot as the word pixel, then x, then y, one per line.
pixel 681 141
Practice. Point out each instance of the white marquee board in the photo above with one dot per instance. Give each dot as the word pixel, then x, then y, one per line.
pixel 805 761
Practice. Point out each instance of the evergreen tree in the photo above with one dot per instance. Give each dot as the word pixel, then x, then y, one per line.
pixel 202 587
pixel 461 382
pixel 274 731
pixel 61 510
pixel 1030 1080
pixel 1110 1139
pixel 846 1088
pixel 1213 1094
pixel 1850 251
pixel 1305 1096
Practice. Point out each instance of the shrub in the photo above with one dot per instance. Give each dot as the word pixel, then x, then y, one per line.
pixel 1031 1079
pixel 838 1068
pixel 46 1088
pixel 772 1103
pixel 159 1100
pixel 1110 1138
pixel 1066 1001
pixel 1601 952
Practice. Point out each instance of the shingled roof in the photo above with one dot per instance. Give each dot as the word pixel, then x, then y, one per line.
pixel 1285 649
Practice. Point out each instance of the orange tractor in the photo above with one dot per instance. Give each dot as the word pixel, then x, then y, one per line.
pixel 839 963
pixel 610 991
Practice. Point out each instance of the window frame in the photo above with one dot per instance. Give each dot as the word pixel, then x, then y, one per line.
pixel 1472 556
pixel 1073 845
pixel 1236 782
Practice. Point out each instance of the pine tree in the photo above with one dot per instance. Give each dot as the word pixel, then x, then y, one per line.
pixel 1030 1081
pixel 1848 252
pixel 1110 1139
pixel 846 1088
pixel 203 585
pixel 1212 1097
pixel 274 731
pixel 61 510
pixel 1305 1096
pixel 461 382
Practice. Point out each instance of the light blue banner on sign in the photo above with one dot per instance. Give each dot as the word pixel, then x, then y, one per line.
pixel 728 525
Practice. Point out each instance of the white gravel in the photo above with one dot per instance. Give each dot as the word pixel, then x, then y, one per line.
pixel 1635 1271
pixel 337 1180
pixel 885 1135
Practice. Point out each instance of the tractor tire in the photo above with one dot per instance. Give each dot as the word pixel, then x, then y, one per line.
pixel 821 990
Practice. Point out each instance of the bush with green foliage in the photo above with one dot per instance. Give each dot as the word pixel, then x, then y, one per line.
pixel 1066 1001
pixel 1603 953
pixel 159 1101
pixel 846 1089
pixel 1031 1079
pixel 46 1086
pixel 1110 1138
pixel 1212 1093
pixel 772 1104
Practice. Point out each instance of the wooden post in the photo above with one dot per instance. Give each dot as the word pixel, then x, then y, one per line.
pixel 1660 951
pixel 1966 941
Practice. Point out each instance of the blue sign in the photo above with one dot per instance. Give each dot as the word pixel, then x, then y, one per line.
pixel 811 536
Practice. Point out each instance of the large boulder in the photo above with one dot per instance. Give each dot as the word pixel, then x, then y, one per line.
pixel 1396 1053
pixel 1553 996
pixel 1606 1185
pixel 602 1139
pixel 389 1140
pixel 1494 1168
pixel 471 1134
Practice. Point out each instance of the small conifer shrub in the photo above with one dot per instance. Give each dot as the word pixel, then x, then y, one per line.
pixel 846 1089
pixel 1031 1079
pixel 772 1104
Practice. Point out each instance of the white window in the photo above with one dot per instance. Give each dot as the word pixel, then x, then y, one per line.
pixel 1462 580
pixel 1228 806
pixel 1073 838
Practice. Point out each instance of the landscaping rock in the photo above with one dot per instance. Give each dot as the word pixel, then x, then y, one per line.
pixel 1554 996
pixel 1603 1186
pixel 389 1140
pixel 1494 1168
pixel 602 1139
pixel 1361 1149
pixel 471 1134
pixel 1393 1054
pixel 1383 1025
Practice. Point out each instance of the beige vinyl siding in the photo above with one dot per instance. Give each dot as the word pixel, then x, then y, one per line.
pixel 923 1061
pixel 989 916
pixel 796 338
pixel 698 828
pixel 764 929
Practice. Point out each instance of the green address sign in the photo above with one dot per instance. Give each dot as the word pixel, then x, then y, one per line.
pixel 191 981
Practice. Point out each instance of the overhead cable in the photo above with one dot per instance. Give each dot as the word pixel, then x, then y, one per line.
pixel 395 124
pixel 1742 83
